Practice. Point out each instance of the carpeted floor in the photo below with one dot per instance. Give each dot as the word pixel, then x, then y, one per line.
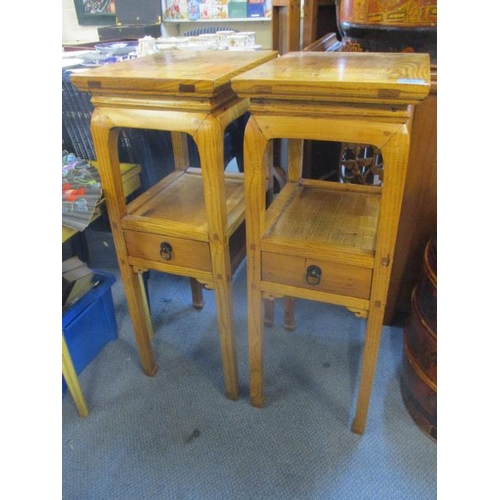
pixel 175 436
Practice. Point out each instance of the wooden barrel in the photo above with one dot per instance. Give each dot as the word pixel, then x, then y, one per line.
pixel 419 371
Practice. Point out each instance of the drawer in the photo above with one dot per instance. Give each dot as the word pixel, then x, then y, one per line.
pixel 168 250
pixel 341 279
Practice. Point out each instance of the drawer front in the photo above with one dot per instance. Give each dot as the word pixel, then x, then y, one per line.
pixel 168 250
pixel 313 274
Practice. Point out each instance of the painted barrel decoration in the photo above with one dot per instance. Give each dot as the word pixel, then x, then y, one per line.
pixel 401 13
pixel 419 370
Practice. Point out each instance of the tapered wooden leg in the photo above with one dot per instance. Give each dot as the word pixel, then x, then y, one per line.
pixel 258 155
pixel 209 139
pixel 224 304
pixel 289 323
pixel 197 294
pixel 105 137
pixel 180 150
pixel 135 293
pixel 255 346
pixel 295 163
pixel 181 162
pixel 69 374
pixel 370 354
pixel 269 312
pixel 395 160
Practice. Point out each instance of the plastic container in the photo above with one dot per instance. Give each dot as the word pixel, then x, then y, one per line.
pixel 90 323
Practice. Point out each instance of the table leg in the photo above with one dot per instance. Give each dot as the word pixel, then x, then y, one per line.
pixel 255 345
pixel 196 294
pixel 209 140
pixel 370 354
pixel 289 303
pixel 258 155
pixel 269 312
pixel 181 162
pixel 105 137
pixel 395 153
pixel 294 174
pixel 180 150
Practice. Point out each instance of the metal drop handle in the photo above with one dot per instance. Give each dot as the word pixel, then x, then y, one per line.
pixel 166 250
pixel 313 275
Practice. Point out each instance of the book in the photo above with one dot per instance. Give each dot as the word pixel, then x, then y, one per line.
pixel 81 191
pixel 71 264
pixel 77 280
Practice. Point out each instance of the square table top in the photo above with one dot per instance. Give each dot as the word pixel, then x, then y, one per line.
pixel 401 78
pixel 179 72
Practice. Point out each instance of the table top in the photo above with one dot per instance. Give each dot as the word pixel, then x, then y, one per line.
pixel 402 78
pixel 179 73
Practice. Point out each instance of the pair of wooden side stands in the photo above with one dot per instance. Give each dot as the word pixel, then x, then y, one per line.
pixel 316 240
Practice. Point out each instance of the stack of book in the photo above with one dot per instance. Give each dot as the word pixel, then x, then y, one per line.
pixel 81 191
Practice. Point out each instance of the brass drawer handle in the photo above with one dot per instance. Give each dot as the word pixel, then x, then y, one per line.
pixel 313 275
pixel 166 250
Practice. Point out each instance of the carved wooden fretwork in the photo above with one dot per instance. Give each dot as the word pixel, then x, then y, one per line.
pixel 361 164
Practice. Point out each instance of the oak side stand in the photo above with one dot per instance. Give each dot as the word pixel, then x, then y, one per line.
pixel 319 240
pixel 184 224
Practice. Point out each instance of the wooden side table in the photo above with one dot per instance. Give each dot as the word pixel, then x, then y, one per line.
pixel 188 223
pixel 320 240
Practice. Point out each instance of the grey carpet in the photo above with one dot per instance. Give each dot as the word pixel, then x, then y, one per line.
pixel 175 436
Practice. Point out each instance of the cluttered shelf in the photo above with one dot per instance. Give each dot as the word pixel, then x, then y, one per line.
pixel 226 20
pixel 215 10
pixel 131 182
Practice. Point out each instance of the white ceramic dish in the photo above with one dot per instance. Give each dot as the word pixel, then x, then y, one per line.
pixel 68 63
pixel 75 53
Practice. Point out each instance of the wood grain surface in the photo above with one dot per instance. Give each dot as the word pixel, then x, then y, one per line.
pixel 173 72
pixel 368 77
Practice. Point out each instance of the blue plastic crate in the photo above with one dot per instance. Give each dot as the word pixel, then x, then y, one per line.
pixel 90 323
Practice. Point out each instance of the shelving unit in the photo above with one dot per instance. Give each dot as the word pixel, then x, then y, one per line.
pixel 223 20
pixel 261 26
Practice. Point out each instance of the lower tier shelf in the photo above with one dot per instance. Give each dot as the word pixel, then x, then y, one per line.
pixel 326 220
pixel 166 228
pixel 319 243
pixel 176 206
